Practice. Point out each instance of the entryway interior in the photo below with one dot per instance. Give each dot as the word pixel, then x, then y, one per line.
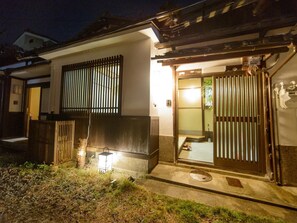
pixel 37 104
pixel 195 118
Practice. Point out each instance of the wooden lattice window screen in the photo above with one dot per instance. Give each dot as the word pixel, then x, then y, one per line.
pixel 92 87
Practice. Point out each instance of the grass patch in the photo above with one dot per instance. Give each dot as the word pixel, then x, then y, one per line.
pixel 41 193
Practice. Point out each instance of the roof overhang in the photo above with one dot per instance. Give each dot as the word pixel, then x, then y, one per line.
pixel 121 36
pixel 32 71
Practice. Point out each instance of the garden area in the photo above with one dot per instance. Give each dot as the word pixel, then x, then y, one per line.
pixel 41 193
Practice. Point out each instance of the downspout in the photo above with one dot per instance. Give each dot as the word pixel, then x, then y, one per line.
pixel 276 176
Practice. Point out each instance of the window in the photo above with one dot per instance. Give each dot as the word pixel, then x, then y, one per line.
pixel 92 86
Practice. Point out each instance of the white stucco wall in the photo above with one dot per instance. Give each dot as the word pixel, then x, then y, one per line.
pixel 162 90
pixel 136 75
pixel 286 119
pixel 16 95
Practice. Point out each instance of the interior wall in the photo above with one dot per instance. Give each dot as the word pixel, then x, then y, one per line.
pixel 136 75
pixel 34 102
pixel 286 119
pixel 208 119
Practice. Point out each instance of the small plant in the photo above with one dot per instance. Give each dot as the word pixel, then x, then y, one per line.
pixel 28 165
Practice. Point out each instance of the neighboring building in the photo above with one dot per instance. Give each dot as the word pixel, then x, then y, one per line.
pixel 29 41
pixel 24 84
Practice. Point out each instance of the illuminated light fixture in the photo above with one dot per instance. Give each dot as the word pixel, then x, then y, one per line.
pixel 199 19
pixel 187 23
pixel 212 14
pixel 105 161
pixel 226 8
pixel 192 95
pixel 240 3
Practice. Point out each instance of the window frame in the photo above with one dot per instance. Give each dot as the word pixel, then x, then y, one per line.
pixel 90 66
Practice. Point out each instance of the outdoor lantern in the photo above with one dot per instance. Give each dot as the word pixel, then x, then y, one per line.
pixel 105 161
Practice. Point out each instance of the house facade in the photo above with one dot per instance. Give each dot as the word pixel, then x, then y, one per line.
pixel 24 85
pixel 193 85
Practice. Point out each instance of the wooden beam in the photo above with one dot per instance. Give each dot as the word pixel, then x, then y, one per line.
pixel 227 32
pixel 220 56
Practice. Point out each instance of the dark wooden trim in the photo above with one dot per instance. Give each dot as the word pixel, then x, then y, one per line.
pixel 121 85
pixel 275 175
pixel 175 112
pixel 235 119
pixel 228 32
pixel 18 78
pixel 61 89
pixel 264 152
pixel 202 104
pixel 39 77
pixel 219 56
pixel 42 85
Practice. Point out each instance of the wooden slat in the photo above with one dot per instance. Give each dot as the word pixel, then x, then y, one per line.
pixel 240 122
pixel 248 120
pixel 232 108
pixel 227 114
pixel 92 86
pixel 236 111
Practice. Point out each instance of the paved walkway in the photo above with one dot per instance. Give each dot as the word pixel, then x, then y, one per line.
pixel 254 197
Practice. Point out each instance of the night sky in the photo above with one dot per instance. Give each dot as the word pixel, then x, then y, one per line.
pixel 63 19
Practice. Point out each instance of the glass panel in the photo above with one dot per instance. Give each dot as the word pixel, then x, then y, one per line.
pixel 190 98
pixel 189 83
pixel 92 86
pixel 190 121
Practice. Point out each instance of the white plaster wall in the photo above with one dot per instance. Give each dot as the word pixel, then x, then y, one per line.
pixel 161 91
pixel 286 119
pixel 16 95
pixel 136 75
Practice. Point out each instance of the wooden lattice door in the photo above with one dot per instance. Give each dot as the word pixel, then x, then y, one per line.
pixel 237 122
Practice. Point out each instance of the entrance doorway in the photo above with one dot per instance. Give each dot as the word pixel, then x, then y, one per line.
pixel 238 122
pixel 195 119
pixel 220 120
pixel 33 106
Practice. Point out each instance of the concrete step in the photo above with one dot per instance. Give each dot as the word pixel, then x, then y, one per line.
pixel 251 189
pixel 214 199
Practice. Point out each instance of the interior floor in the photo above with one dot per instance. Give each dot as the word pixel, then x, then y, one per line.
pixel 199 150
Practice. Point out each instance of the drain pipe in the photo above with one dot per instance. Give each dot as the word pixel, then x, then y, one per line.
pixel 277 174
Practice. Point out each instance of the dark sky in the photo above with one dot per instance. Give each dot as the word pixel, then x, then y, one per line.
pixel 63 19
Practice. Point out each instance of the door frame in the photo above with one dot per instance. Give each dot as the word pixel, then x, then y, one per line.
pixel 188 74
pixel 27 87
pixel 262 132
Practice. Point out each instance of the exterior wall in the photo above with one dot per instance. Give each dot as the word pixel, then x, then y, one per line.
pixel 287 118
pixel 285 125
pixel 16 95
pixel 133 166
pixel 136 75
pixel 162 86
pixel 12 116
pixel 127 135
